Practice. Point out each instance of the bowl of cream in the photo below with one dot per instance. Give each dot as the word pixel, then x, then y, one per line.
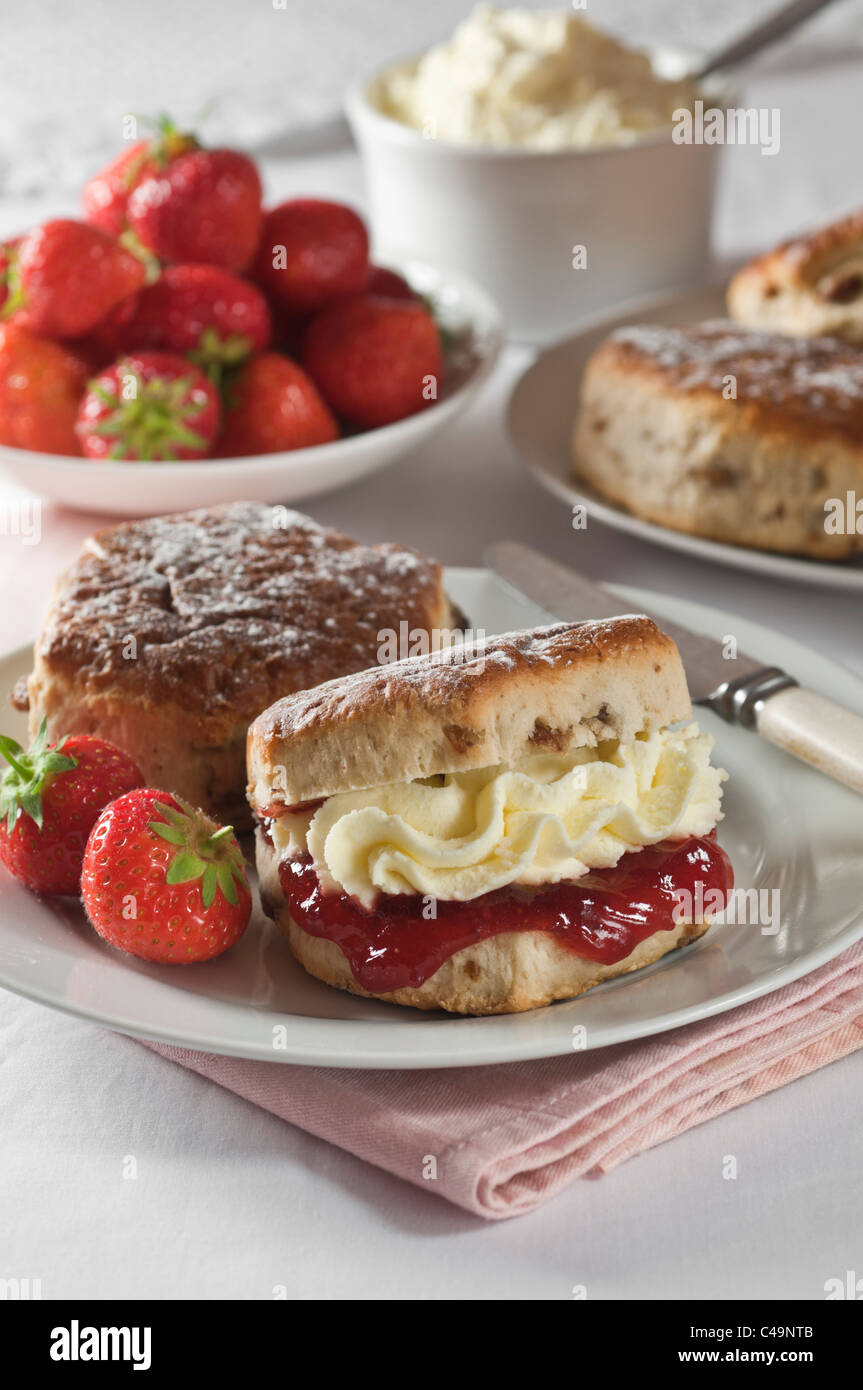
pixel 539 156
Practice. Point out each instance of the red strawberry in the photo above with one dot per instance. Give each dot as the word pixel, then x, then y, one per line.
pixel 205 206
pixel 67 276
pixel 272 405
pixel 163 881
pixel 214 317
pixel 50 799
pixel 110 338
pixel 41 385
pixel 311 253
pixel 152 406
pixel 375 360
pixel 388 284
pixel 106 196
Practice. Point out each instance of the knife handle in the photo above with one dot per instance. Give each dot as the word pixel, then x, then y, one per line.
pixel 816 730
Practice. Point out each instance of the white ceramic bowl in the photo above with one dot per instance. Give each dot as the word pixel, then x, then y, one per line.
pixel 475 333
pixel 510 217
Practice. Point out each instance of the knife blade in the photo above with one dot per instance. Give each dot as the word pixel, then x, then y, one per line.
pixel 573 598
pixel 738 687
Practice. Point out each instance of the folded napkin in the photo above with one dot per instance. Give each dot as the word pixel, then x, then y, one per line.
pixel 500 1140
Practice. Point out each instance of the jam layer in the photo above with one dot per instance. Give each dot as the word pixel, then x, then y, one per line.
pixel 601 917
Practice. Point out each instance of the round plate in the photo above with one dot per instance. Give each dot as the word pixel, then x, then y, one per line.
pixel 475 335
pixel 787 829
pixel 542 410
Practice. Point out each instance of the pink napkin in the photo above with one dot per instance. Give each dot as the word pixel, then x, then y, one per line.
pixel 501 1140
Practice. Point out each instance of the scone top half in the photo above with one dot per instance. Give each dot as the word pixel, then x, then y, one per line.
pixel 555 688
pixel 461 779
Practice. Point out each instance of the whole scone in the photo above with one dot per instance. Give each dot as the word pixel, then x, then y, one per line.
pixel 167 636
pixel 726 432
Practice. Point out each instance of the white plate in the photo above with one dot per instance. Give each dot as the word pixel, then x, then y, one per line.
pixel 472 322
pixel 786 827
pixel 542 409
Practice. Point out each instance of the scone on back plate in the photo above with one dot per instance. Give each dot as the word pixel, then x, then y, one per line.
pixel 725 432
pixel 492 829
pixel 810 286
pixel 167 636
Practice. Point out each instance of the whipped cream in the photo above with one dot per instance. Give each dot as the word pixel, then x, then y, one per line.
pixel 550 817
pixel 547 80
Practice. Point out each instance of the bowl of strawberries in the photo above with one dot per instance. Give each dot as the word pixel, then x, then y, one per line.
pixel 180 342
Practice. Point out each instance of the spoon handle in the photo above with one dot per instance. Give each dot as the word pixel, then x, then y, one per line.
pixel 763 34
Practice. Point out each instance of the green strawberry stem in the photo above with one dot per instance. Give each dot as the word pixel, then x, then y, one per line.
pixel 211 856
pixel 15 296
pixel 29 775
pixel 153 422
pixel 217 356
pixel 133 244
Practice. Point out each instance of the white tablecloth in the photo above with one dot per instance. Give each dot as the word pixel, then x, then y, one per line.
pixel 230 1203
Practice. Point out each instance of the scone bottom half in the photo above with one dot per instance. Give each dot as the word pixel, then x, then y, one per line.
pixel 565 836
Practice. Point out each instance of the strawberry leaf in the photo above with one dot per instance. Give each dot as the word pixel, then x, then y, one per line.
pixel 29 775
pixel 209 885
pixel 167 832
pixel 185 867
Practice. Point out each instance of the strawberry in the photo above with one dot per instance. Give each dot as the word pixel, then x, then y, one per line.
pixel 67 276
pixel 388 284
pixel 214 317
pixel 164 882
pixel 50 799
pixel 41 384
pixel 311 253
pixel 152 406
pixel 106 195
pixel 110 338
pixel 205 206
pixel 272 405
pixel 374 360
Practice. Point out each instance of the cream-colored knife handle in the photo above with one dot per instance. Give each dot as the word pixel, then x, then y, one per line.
pixel 813 728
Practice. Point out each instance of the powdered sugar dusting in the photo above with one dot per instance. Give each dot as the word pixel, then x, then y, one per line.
pixel 231 606
pixel 441 679
pixel 815 380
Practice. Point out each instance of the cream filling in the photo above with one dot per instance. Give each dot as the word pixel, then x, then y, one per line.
pixel 552 816
pixel 547 79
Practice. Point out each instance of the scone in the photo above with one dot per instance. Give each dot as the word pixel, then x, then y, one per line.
pixel 167 636
pixel 810 286
pixel 494 829
pixel 726 432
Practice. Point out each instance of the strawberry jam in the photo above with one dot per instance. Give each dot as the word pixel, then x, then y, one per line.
pixel 602 916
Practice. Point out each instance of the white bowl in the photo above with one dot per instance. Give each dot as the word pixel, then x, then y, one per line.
pixel 475 334
pixel 511 217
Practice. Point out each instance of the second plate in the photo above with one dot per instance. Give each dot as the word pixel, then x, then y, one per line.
pixel 541 413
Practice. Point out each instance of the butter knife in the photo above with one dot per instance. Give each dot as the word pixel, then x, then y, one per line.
pixel 737 687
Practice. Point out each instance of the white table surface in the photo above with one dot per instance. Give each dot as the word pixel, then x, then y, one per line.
pixel 231 1203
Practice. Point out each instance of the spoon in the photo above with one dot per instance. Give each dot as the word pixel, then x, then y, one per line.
pixel 779 24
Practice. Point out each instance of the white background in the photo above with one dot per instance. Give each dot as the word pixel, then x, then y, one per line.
pixel 229 1202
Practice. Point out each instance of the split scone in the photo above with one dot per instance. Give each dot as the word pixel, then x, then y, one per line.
pixel 727 433
pixel 167 636
pixel 810 286
pixel 494 828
